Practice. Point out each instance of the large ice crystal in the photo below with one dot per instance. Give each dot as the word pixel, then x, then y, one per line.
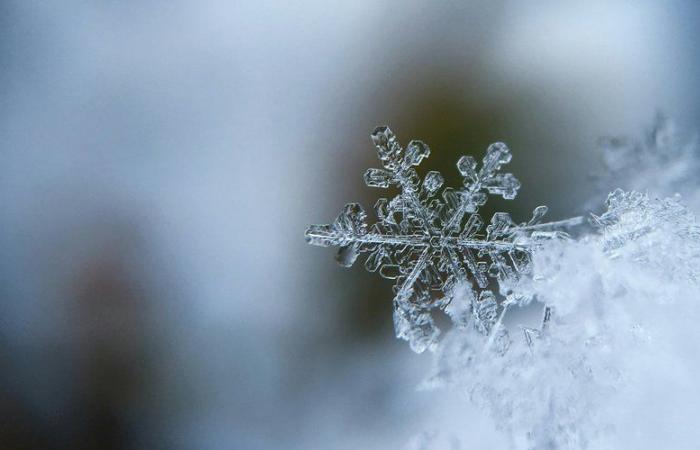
pixel 431 240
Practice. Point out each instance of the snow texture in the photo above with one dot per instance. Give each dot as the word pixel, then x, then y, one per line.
pixel 662 161
pixel 616 301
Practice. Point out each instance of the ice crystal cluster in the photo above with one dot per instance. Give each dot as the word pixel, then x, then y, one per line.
pixel 432 241
pixel 612 361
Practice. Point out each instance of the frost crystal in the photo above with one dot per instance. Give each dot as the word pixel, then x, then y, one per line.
pixel 430 244
pixel 633 215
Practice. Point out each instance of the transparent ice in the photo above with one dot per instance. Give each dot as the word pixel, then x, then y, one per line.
pixel 431 240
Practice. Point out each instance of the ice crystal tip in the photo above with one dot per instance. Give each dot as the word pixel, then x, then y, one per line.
pixel 430 239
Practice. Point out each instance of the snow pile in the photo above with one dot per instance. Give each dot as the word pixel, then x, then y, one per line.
pixel 616 358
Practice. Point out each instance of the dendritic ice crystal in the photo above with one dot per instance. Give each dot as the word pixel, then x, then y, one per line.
pixel 430 239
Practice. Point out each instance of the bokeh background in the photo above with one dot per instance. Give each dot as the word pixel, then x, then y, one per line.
pixel 161 160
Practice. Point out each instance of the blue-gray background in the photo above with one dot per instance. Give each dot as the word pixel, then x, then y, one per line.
pixel 161 160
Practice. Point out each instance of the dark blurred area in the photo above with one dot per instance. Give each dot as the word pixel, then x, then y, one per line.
pixel 161 160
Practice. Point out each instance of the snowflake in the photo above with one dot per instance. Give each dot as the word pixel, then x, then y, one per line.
pixel 429 244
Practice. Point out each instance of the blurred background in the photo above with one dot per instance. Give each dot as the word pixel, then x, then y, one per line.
pixel 161 160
